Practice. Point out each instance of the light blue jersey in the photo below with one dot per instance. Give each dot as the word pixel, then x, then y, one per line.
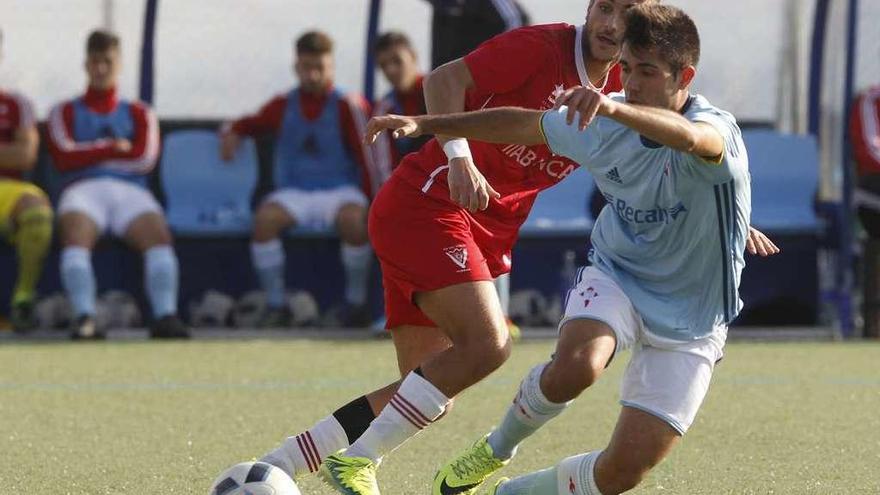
pixel 674 230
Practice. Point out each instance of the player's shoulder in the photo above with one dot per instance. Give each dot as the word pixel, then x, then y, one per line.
pixel 698 106
pixel 353 101
pixel 559 33
pixel 549 35
pixel 63 104
pixel 17 98
pixel 139 105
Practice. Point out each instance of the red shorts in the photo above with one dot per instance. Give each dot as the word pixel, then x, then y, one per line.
pixel 425 244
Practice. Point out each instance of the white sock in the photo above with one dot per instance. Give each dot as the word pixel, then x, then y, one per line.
pixel 575 475
pixel 530 410
pixel 302 454
pixel 417 404
pixel 78 279
pixel 268 259
pixel 356 262
pixel 161 279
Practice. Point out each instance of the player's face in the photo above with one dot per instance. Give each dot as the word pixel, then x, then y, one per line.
pixel 398 63
pixel 315 72
pixel 649 80
pixel 103 68
pixel 605 27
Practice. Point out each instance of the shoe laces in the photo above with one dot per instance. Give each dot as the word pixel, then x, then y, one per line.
pixel 474 462
pixel 358 474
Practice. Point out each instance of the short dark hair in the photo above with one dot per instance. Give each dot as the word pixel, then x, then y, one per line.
pixel 392 39
pixel 314 43
pixel 667 28
pixel 100 41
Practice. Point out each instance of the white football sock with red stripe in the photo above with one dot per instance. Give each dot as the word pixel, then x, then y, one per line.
pixel 303 453
pixel 416 405
pixel 530 411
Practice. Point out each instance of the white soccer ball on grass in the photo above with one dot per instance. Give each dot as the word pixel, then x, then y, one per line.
pixel 254 478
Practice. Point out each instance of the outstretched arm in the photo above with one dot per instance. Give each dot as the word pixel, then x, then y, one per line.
pixel 497 125
pixel 657 124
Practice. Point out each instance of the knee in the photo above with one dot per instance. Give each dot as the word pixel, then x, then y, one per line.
pixel 31 200
pixel 351 221
pixel 570 373
pixel 269 221
pixel 485 355
pixel 33 226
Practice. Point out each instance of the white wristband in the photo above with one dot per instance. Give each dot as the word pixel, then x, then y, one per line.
pixel 457 148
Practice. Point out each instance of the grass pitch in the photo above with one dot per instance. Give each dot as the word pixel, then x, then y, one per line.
pixel 154 417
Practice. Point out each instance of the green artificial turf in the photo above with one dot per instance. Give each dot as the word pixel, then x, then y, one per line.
pixel 155 417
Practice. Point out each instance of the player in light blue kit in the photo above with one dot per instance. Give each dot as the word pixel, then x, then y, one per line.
pixel 666 260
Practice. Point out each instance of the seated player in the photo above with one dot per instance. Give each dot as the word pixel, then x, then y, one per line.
pixel 322 176
pixel 25 213
pixel 397 59
pixel 105 148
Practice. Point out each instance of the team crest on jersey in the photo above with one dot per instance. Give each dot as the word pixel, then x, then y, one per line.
pixel 458 255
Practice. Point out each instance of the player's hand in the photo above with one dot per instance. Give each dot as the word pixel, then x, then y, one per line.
pixel 399 125
pixel 229 142
pixel 121 145
pixel 467 186
pixel 760 244
pixel 581 100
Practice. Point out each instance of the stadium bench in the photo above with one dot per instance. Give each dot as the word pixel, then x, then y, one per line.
pixel 785 174
pixel 206 196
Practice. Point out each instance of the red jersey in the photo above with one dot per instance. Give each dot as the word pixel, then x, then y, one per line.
pixel 865 131
pixel 353 112
pixel 71 154
pixel 527 67
pixel 16 112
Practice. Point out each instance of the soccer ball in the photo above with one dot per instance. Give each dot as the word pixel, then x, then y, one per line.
pixel 54 312
pixel 117 309
pixel 214 310
pixel 249 309
pixel 254 478
pixel 528 308
pixel 303 308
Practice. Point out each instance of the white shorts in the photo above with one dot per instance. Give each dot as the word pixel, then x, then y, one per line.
pixel 316 209
pixel 666 378
pixel 111 203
